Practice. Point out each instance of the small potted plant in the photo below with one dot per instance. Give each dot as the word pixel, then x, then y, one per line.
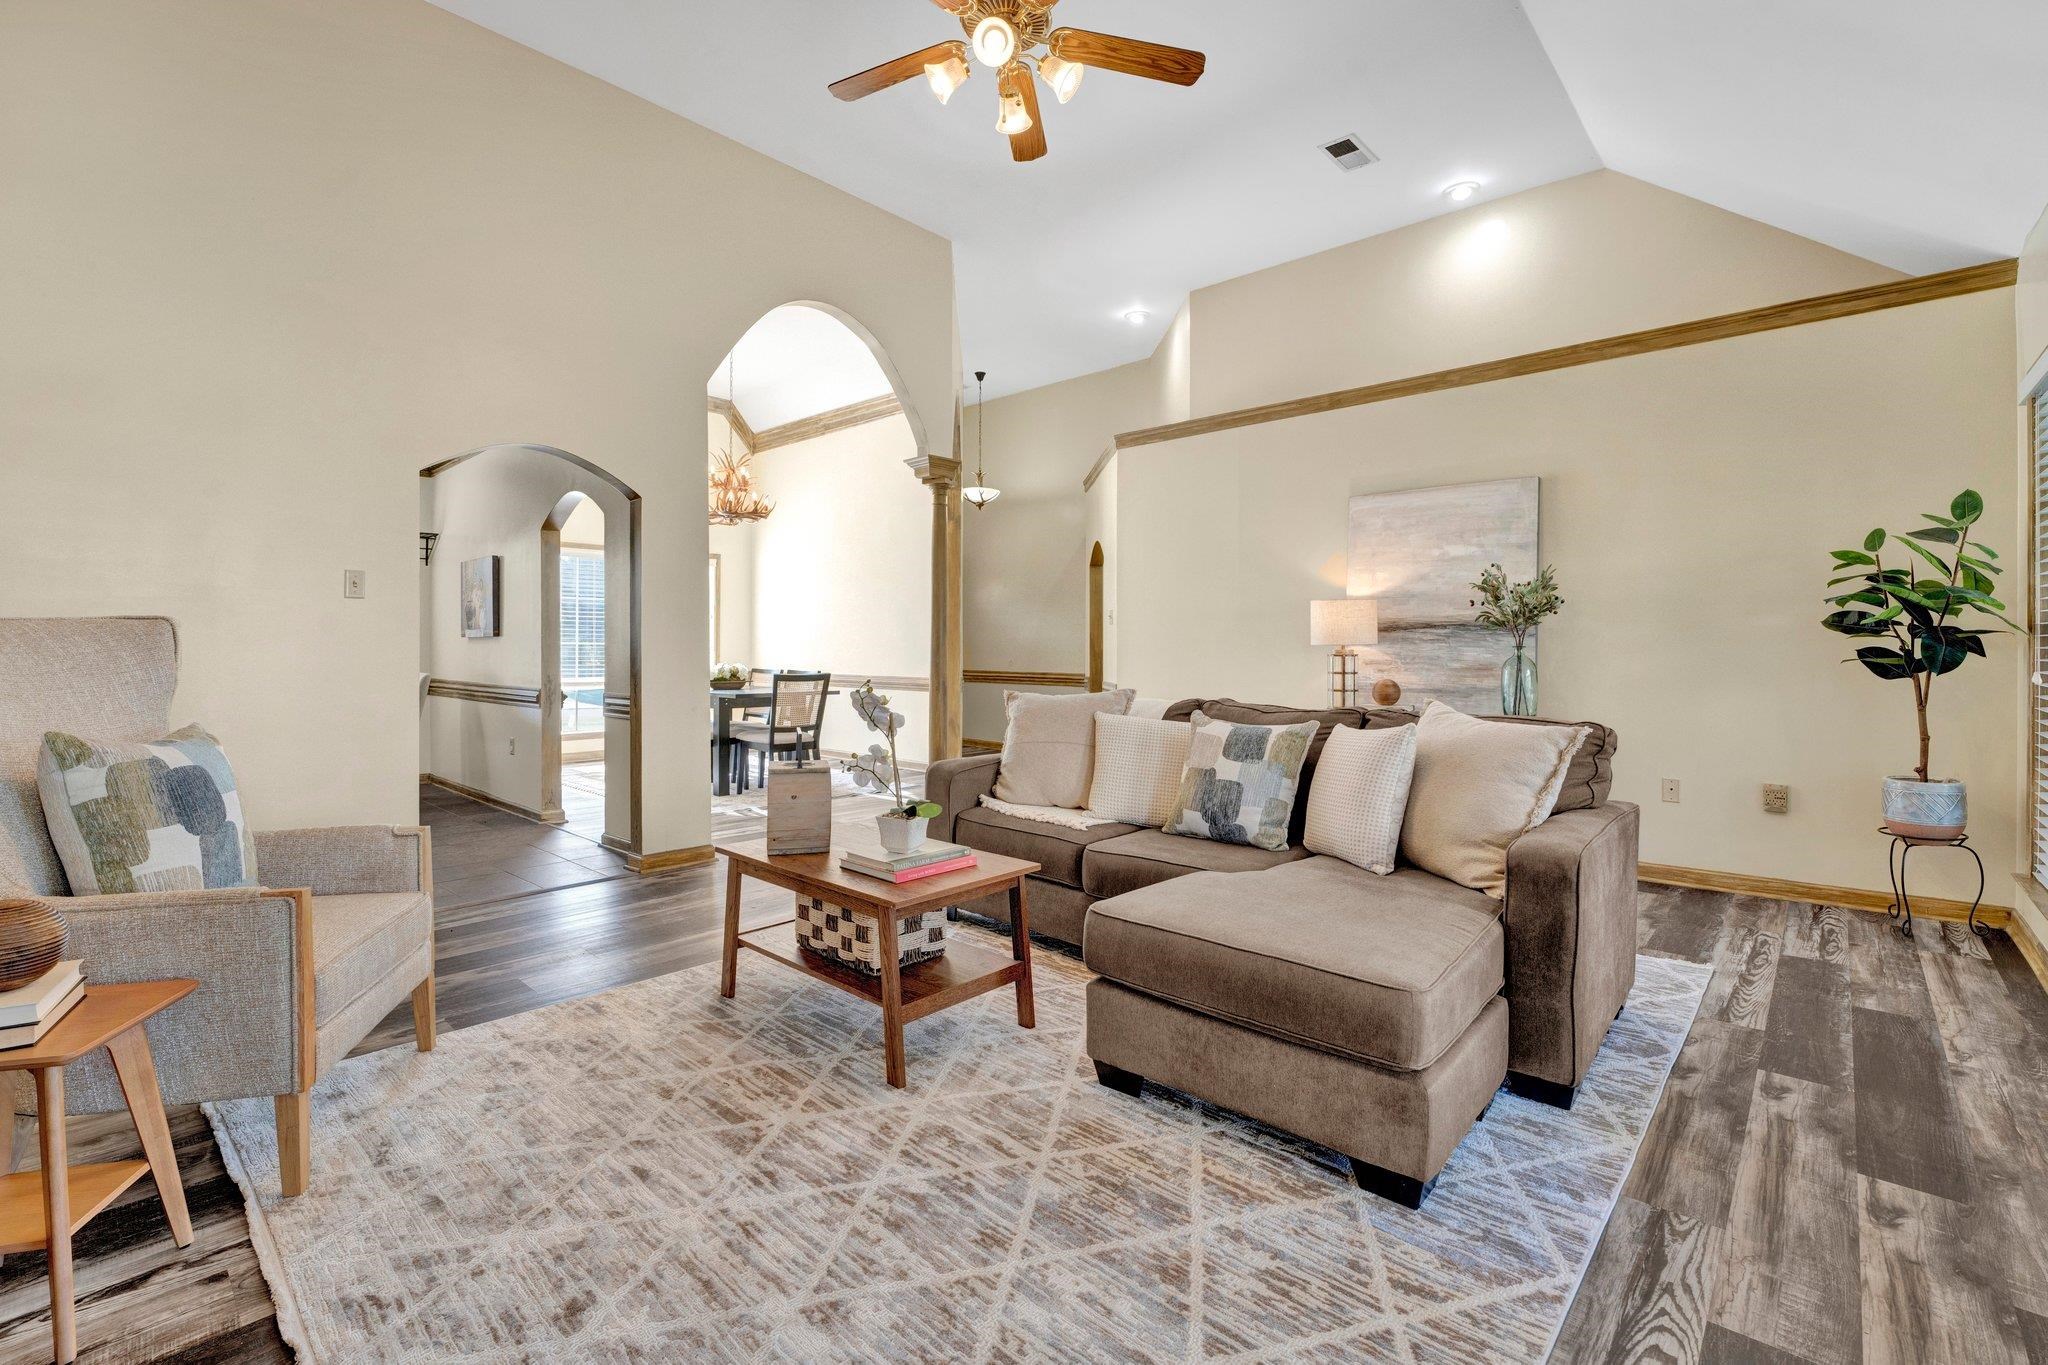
pixel 1910 615
pixel 1516 608
pixel 728 678
pixel 902 828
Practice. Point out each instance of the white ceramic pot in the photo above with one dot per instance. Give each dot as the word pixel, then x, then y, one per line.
pixel 1925 810
pixel 901 834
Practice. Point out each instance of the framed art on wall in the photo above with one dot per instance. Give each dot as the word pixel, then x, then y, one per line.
pixel 1417 552
pixel 480 578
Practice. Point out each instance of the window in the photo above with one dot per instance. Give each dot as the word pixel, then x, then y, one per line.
pixel 2040 679
pixel 582 642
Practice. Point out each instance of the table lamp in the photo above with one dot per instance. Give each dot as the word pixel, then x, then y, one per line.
pixel 1346 623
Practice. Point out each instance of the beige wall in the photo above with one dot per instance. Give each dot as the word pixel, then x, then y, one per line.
pixel 266 259
pixel 1597 255
pixel 841 574
pixel 1689 499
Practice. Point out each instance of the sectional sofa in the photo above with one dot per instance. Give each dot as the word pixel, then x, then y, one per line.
pixel 1376 1015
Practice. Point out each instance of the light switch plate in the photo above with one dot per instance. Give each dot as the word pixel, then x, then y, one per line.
pixel 352 583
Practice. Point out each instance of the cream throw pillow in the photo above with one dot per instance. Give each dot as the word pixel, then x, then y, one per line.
pixel 1478 787
pixel 1359 794
pixel 1138 763
pixel 1049 746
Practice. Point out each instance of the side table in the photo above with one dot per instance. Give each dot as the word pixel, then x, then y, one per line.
pixel 41 1214
pixel 1901 908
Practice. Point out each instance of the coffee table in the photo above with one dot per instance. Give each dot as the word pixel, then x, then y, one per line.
pixel 38 1214
pixel 964 971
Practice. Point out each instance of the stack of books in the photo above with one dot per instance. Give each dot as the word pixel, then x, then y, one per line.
pixel 28 1012
pixel 928 860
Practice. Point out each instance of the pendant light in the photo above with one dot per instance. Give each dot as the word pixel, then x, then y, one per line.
pixel 980 495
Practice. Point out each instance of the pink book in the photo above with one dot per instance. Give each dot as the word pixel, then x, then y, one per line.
pixel 914 873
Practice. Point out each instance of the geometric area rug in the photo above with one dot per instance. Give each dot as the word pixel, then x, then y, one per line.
pixel 655 1173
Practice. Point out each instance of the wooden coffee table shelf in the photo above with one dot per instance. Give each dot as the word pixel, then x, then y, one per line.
pixel 904 994
pixel 23 1224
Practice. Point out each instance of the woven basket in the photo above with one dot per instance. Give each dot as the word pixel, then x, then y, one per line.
pixel 838 934
pixel 32 936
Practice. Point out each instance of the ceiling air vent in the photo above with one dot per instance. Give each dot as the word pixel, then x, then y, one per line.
pixel 1350 153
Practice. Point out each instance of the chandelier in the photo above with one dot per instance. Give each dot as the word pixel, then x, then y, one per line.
pixel 979 494
pixel 733 496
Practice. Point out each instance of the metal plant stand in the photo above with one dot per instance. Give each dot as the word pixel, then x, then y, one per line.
pixel 1901 908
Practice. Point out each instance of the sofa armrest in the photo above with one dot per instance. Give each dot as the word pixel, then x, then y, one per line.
pixel 247 1030
pixel 343 860
pixel 958 784
pixel 1570 917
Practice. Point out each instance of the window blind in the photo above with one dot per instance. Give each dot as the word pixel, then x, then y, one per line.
pixel 2040 678
pixel 582 616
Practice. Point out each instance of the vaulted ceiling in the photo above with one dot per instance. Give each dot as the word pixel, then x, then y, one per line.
pixel 1915 134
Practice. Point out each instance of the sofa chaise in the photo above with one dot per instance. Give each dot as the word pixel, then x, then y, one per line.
pixel 1376 1015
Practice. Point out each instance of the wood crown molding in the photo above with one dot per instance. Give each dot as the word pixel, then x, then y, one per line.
pixel 497 694
pixel 1101 463
pixel 825 423
pixel 727 409
pixel 1821 308
pixel 1775 888
pixel 1024 678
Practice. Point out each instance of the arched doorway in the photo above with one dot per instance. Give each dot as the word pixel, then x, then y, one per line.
pixel 834 579
pixel 496 693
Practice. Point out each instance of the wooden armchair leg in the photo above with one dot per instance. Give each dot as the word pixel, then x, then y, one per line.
pixel 423 1014
pixel 294 1142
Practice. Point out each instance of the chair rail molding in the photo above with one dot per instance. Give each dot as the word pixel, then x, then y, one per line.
pixel 1024 677
pixel 497 694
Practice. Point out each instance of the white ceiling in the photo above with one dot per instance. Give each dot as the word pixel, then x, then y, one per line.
pixel 797 362
pixel 1905 131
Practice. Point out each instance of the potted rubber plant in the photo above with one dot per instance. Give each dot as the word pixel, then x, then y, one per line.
pixel 1923 615
pixel 902 828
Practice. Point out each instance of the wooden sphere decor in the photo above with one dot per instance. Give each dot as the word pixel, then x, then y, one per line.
pixel 32 936
pixel 1386 692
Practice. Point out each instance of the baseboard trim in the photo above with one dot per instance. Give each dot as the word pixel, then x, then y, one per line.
pixel 667 858
pixel 1776 888
pixel 489 800
pixel 981 746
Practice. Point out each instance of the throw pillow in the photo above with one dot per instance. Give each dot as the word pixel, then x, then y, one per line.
pixel 1138 763
pixel 1240 780
pixel 1359 794
pixel 1049 746
pixel 1478 787
pixel 161 816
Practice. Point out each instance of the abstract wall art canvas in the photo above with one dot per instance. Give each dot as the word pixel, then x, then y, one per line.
pixel 480 597
pixel 1417 552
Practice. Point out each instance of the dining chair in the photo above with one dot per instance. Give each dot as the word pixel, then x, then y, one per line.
pixel 757 678
pixel 796 711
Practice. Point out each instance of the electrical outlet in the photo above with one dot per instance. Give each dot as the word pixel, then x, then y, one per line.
pixel 1777 798
pixel 352 583
pixel 1670 787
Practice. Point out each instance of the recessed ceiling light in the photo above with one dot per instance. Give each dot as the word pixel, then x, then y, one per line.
pixel 1461 191
pixel 1137 317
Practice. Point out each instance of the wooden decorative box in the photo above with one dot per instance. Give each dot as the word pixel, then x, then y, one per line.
pixel 799 807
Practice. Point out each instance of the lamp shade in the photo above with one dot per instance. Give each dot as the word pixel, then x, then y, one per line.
pixel 1344 621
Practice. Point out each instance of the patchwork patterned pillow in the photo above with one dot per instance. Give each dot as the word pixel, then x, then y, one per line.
pixel 162 816
pixel 1240 781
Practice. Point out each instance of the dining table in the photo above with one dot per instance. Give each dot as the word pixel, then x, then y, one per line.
pixel 724 702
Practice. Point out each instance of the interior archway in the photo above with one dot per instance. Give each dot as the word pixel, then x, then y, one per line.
pixel 493 726
pixel 1095 618
pixel 811 405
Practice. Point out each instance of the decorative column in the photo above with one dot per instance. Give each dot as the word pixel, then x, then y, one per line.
pixel 942 476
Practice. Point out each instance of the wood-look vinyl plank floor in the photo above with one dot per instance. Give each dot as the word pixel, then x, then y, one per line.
pixel 1847 1165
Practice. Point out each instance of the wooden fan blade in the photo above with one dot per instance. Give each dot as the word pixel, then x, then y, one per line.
pixel 1132 56
pixel 952 6
pixel 1028 145
pixel 891 73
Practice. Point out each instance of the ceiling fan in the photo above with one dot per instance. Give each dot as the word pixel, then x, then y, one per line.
pixel 1002 34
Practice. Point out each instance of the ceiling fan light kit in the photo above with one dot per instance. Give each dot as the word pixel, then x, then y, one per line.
pixel 1006 36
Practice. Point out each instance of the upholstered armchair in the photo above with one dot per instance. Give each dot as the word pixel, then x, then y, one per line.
pixel 292 974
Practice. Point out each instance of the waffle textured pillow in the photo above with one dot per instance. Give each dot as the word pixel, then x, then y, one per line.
pixel 1359 794
pixel 155 816
pixel 1138 763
